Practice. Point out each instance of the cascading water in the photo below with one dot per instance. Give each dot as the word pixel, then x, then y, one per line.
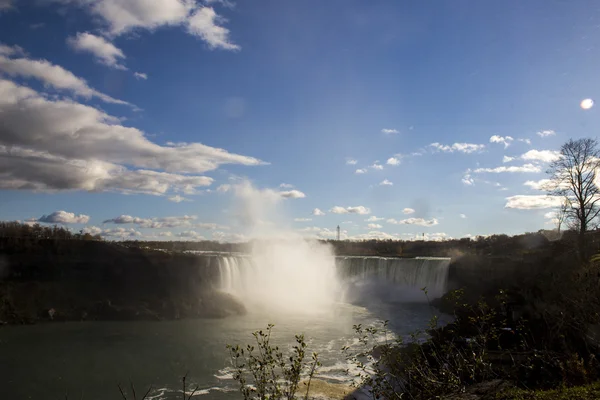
pixel 400 279
pixel 277 277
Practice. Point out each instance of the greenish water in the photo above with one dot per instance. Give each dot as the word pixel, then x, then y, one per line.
pixel 89 359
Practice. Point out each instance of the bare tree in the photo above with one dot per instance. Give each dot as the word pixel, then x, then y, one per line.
pixel 573 177
pixel 561 214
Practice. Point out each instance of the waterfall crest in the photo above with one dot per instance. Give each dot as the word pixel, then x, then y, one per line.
pixel 345 278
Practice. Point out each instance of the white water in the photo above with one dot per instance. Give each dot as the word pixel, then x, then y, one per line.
pixel 281 277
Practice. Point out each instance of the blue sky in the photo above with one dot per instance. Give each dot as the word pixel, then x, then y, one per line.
pixel 118 108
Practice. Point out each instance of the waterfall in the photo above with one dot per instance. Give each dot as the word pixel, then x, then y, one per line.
pixel 348 278
pixel 411 274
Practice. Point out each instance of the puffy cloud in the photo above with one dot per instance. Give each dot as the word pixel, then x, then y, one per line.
pixel 63 217
pixel 302 219
pixel 385 182
pixel 154 223
pixel 527 141
pixel 541 155
pixel 229 237
pixel 120 233
pixel 105 52
pixel 542 184
pixel 505 140
pixel 388 131
pixel 122 16
pixel 52 75
pixel 463 216
pixel 92 230
pixel 512 169
pixel 376 166
pixel 224 188
pixel 350 210
pixel 50 145
pixel 506 159
pixel 6 50
pixel 374 226
pixel 189 235
pixel 374 219
pixel 286 186
pixel 292 194
pixel 408 211
pixel 526 202
pixel 460 147
pixel 414 221
pixel 140 75
pixel 178 199
pixel 204 23
pixel 393 161
pixel 351 161
pixel 360 171
pixel 317 212
pixel 546 133
pixel 467 179
pixel 166 234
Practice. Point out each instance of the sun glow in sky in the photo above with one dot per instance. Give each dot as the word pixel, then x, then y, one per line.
pixel 137 119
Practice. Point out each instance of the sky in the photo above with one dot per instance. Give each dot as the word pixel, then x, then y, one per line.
pixel 392 119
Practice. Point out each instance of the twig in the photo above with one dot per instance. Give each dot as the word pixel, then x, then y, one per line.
pixel 147 393
pixel 133 390
pixel 121 390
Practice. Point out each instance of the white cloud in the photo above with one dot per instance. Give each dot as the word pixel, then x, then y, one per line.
pixel 49 145
pixel 156 222
pixel 506 159
pixel 229 237
pixel 541 155
pixel 351 161
pixel 376 166
pixel 140 75
pixel 374 226
pixel 178 199
pixel 463 216
pixel 189 235
pixel 389 131
pixel 317 212
pixel 166 234
pixel 54 76
pixel 204 23
pixel 546 133
pixel 512 169
pixel 122 16
pixel 224 188
pixel 524 202
pixel 92 230
pixel 120 233
pixel 460 147
pixel 105 52
pixel 385 182
pixel 286 186
pixel 360 171
pixel 414 221
pixel 302 219
pixel 350 210
pixel 63 217
pixel 292 194
pixel 542 184
pixel 505 140
pixel 527 141
pixel 8 51
pixel 408 211
pixel 393 161
pixel 467 179
pixel 374 219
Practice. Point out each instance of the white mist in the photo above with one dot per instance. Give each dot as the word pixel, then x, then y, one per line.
pixel 286 272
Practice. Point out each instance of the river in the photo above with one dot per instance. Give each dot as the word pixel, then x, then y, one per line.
pixel 88 359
